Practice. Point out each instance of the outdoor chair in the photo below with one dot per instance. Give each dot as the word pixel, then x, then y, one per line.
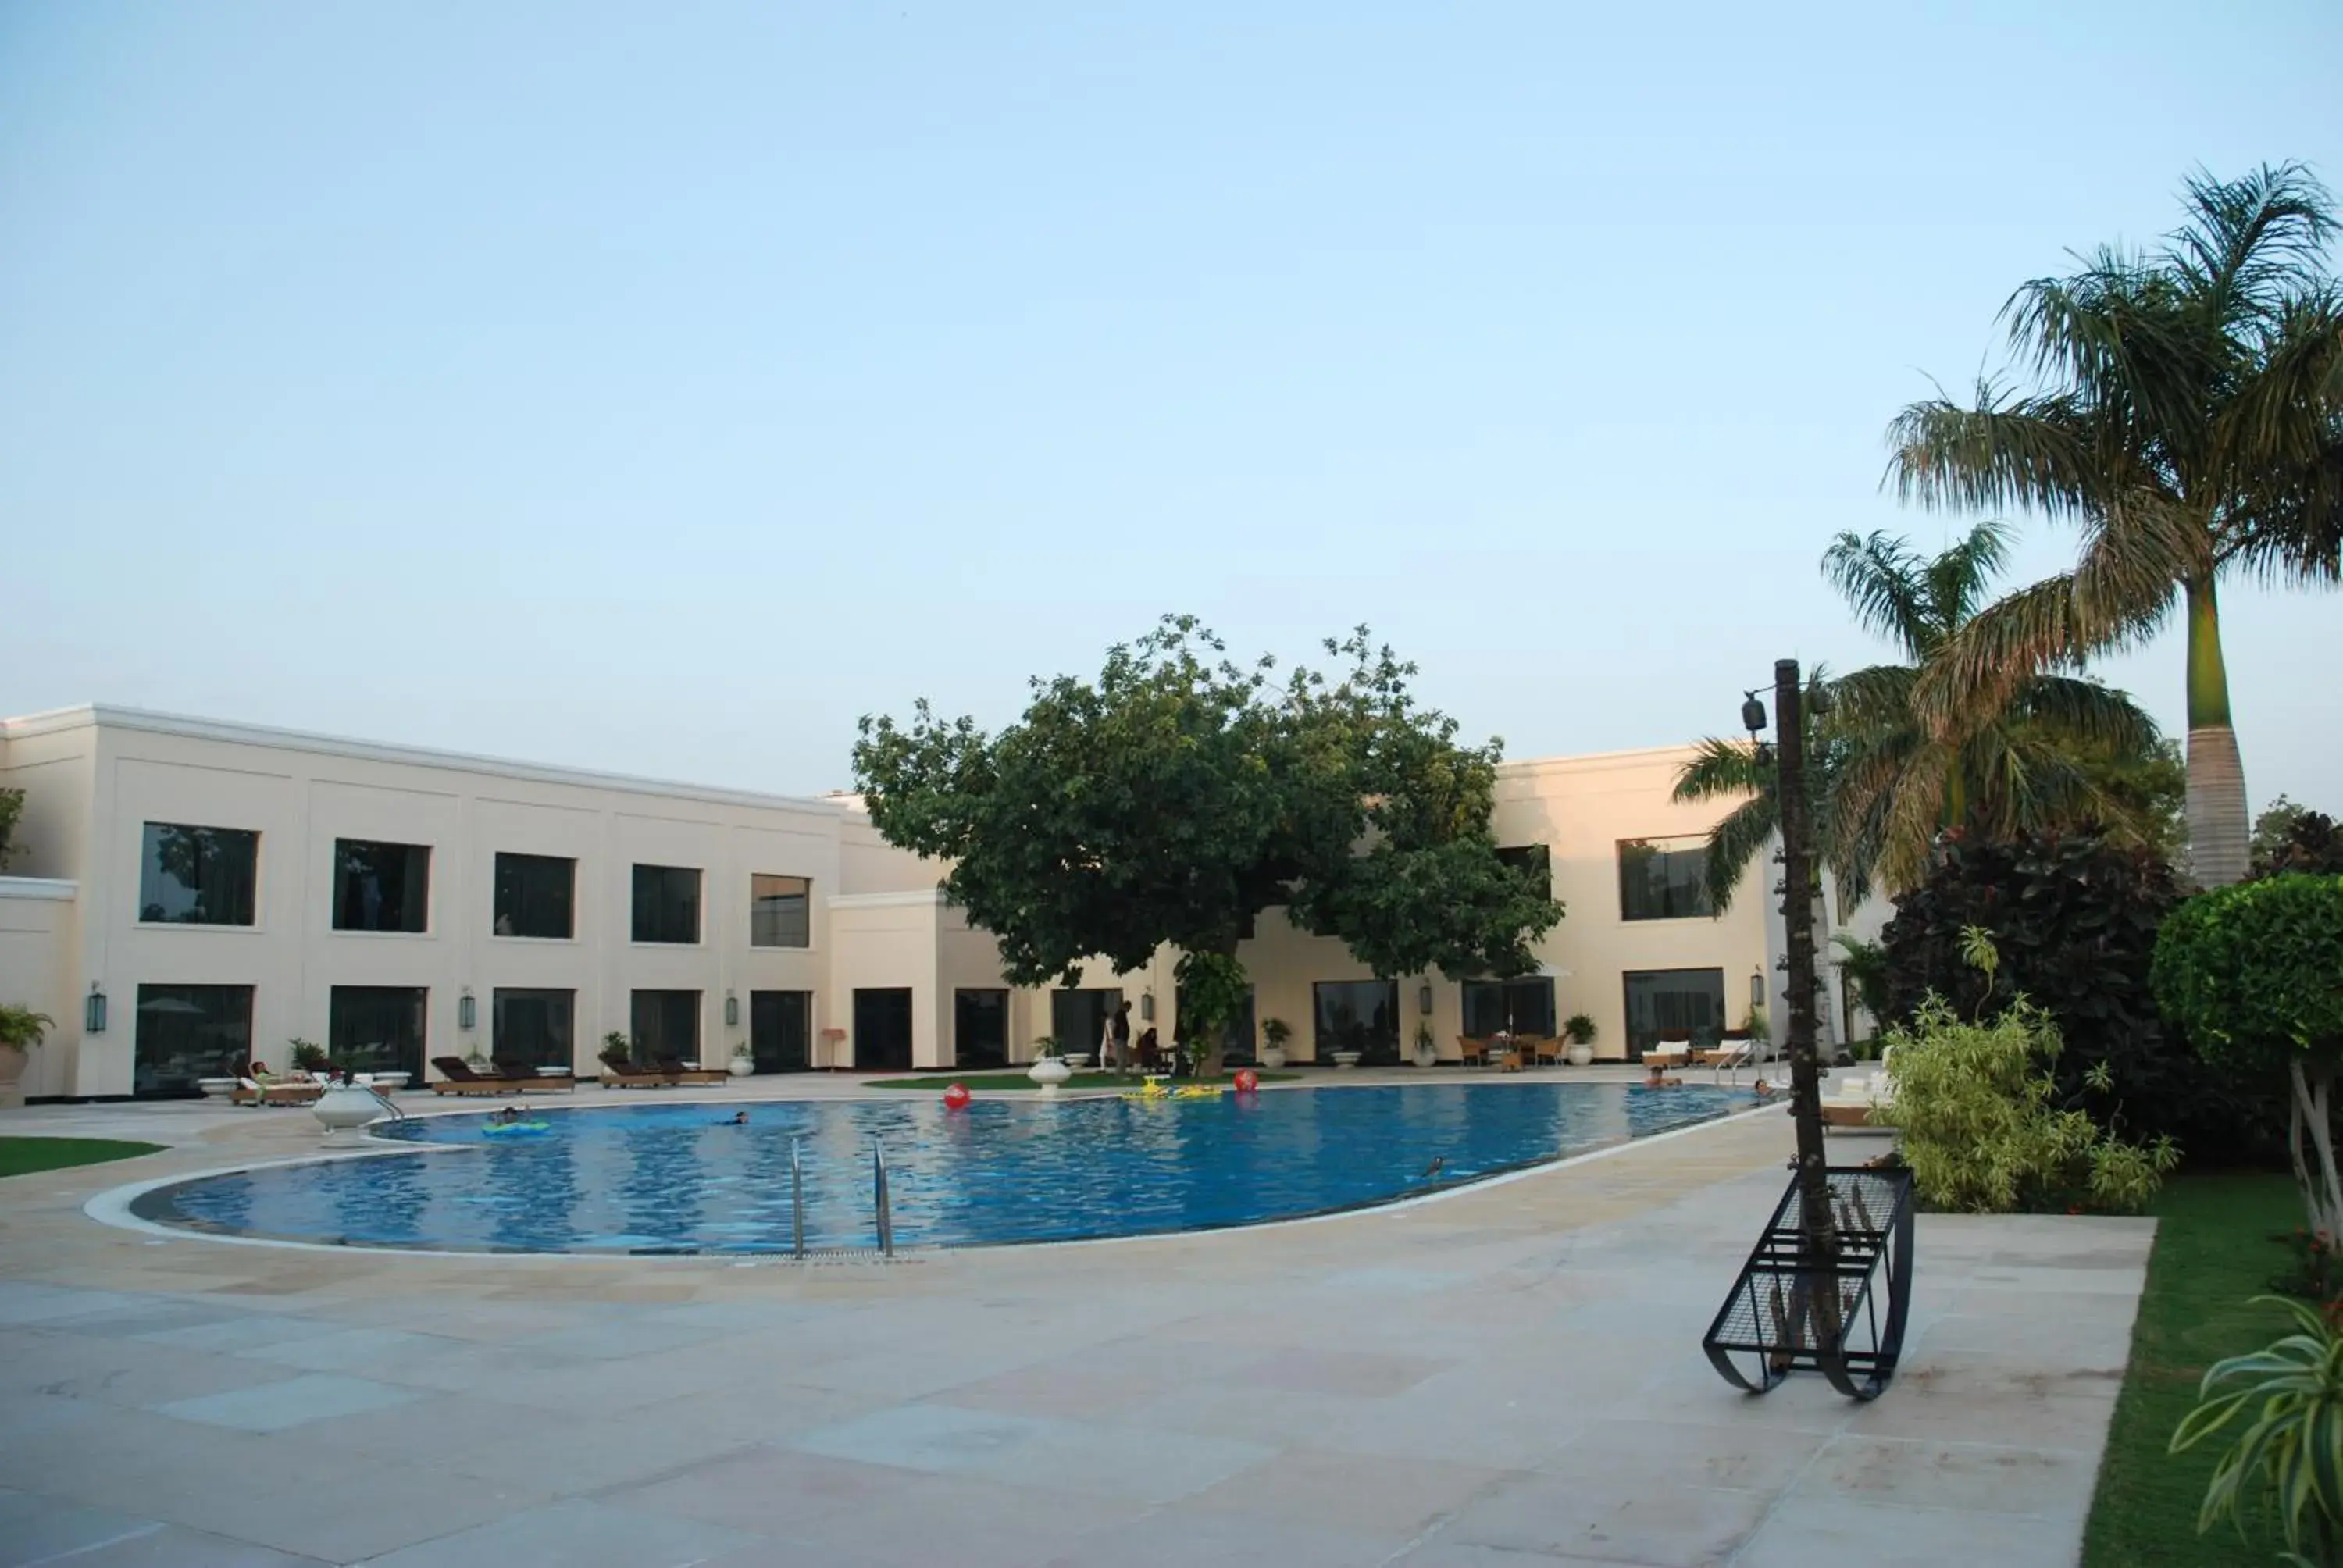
pixel 456 1077
pixel 675 1069
pixel 527 1072
pixel 633 1075
pixel 1544 1049
pixel 1474 1053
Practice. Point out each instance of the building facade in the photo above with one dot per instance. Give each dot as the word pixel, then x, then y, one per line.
pixel 187 895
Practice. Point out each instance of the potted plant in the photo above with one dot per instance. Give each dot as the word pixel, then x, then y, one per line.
pixel 21 1029
pixel 1274 1033
pixel 1579 1030
pixel 744 1061
pixel 1427 1050
pixel 309 1057
pixel 1048 1069
pixel 617 1053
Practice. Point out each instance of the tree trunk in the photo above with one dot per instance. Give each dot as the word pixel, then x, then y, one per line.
pixel 2314 1170
pixel 2218 831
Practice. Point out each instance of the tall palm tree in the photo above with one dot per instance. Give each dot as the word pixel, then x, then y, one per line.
pixel 2187 416
pixel 2046 756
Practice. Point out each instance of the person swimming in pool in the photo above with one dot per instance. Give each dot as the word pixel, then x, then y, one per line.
pixel 737 1119
pixel 1660 1079
pixel 510 1114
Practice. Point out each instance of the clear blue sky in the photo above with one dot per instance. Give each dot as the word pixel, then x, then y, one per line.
pixel 659 387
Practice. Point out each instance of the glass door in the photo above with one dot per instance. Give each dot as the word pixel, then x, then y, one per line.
pixel 781 1030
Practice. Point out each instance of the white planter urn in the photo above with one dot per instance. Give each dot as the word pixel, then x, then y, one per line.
pixel 1050 1072
pixel 1272 1057
pixel 1345 1060
pixel 345 1109
pixel 1582 1055
pixel 216 1088
pixel 1427 1056
pixel 742 1066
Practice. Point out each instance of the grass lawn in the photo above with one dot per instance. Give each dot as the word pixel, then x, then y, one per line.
pixel 941 1081
pixel 2217 1247
pixel 22 1156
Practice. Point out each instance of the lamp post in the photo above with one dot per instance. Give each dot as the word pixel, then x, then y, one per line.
pixel 1820 1287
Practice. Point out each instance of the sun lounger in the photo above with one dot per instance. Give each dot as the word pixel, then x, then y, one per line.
pixel 1854 1097
pixel 527 1072
pixel 458 1078
pixel 682 1074
pixel 633 1076
pixel 275 1091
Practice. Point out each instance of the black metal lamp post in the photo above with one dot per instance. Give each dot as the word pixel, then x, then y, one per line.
pixel 1805 1299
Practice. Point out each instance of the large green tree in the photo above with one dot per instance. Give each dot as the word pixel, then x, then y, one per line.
pixel 2184 408
pixel 1177 795
pixel 2054 753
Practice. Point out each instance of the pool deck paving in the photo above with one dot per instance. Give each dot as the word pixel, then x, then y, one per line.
pixel 1509 1377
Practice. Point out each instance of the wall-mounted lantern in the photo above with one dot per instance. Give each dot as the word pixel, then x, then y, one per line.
pixel 1424 999
pixel 731 1010
pixel 93 1010
pixel 468 1012
pixel 1147 1007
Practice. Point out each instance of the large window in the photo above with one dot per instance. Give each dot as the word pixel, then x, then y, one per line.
pixel 381 887
pixel 781 1030
pixel 779 913
pixel 1673 1004
pixel 1536 861
pixel 190 1031
pixel 980 1029
pixel 197 876
pixel 1524 1006
pixel 1357 1015
pixel 377 1029
pixel 666 904
pixel 534 1028
pixel 1078 1019
pixel 882 1028
pixel 536 895
pixel 666 1025
pixel 1663 880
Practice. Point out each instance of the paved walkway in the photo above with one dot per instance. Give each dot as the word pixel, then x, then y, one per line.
pixel 1510 1378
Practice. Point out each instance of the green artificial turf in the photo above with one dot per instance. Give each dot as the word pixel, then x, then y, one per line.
pixel 22 1156
pixel 2219 1242
pixel 975 1080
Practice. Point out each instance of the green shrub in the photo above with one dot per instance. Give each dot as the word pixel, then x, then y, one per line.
pixel 2252 976
pixel 2291 1447
pixel 1976 1102
pixel 2075 923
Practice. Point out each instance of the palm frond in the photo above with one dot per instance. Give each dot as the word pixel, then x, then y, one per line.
pixel 2004 454
pixel 1719 768
pixel 1883 579
pixel 1734 843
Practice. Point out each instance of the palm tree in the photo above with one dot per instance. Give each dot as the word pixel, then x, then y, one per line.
pixel 2039 757
pixel 2051 754
pixel 2188 417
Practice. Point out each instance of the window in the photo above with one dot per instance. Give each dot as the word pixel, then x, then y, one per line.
pixel 1357 1015
pixel 882 1028
pixel 377 1029
pixel 1537 859
pixel 381 887
pixel 1673 1004
pixel 779 913
pixel 197 876
pixel 1663 880
pixel 664 1023
pixel 536 895
pixel 781 1030
pixel 189 1031
pixel 1524 1006
pixel 1078 1019
pixel 533 1027
pixel 980 1029
pixel 666 904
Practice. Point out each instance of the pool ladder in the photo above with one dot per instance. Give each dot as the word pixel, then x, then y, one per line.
pixel 880 1199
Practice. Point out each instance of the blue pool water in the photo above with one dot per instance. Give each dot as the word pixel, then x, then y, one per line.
pixel 671 1177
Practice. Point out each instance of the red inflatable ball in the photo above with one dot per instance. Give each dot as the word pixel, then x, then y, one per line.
pixel 957 1097
pixel 1247 1080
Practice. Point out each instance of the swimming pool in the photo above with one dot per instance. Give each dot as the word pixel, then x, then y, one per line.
pixel 677 1178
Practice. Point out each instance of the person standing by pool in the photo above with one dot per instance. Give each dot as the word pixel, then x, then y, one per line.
pixel 1118 1035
